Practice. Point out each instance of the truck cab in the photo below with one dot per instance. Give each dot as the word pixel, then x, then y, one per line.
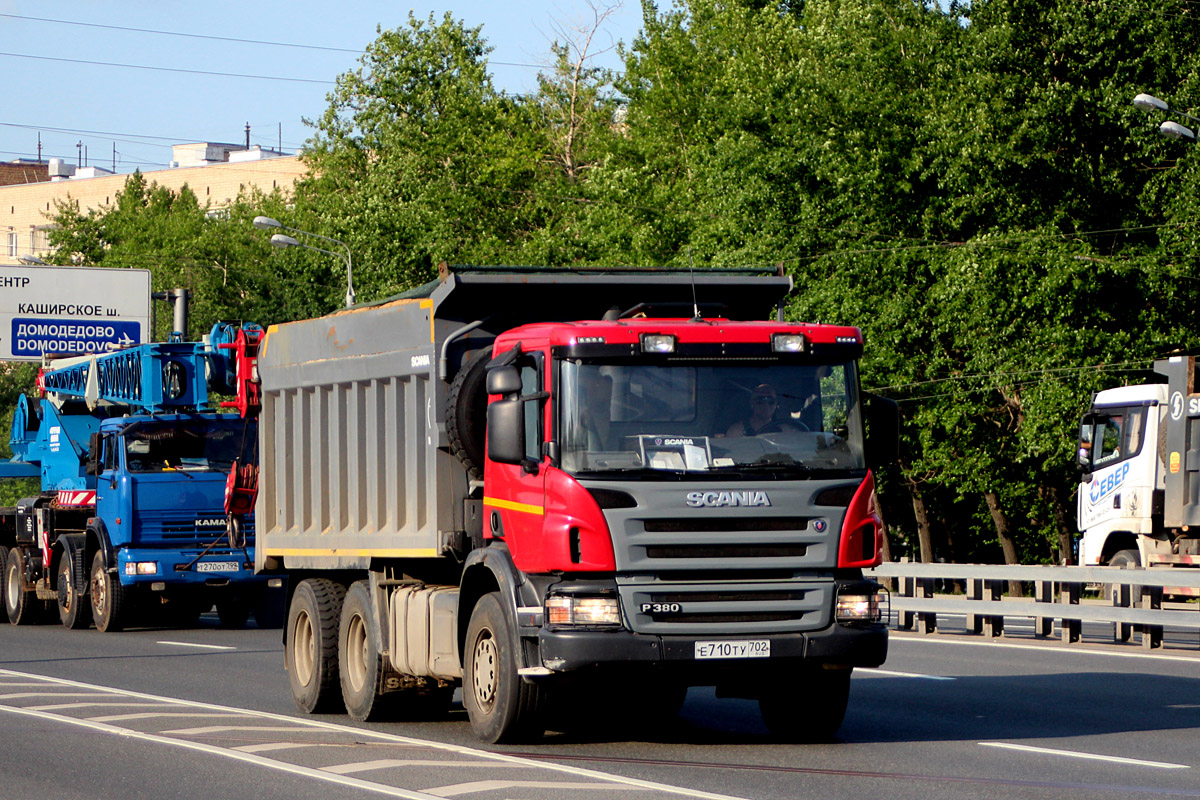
pixel 1119 504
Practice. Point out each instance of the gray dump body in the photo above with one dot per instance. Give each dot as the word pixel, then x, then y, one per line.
pixel 355 457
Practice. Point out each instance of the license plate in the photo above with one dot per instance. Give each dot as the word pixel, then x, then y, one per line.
pixel 217 566
pixel 753 648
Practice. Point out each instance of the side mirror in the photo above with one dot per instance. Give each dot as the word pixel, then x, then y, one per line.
pixel 883 429
pixel 505 428
pixel 92 466
pixel 503 380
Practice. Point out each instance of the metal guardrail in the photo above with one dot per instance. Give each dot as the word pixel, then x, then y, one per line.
pixel 1137 598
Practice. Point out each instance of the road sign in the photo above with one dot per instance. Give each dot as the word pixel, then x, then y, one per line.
pixel 71 310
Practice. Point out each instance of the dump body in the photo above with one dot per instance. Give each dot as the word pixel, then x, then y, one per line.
pixel 431 484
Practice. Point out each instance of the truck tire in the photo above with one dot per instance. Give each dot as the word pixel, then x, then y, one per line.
pixel 466 412
pixel 1129 559
pixel 3 578
pixel 502 707
pixel 74 607
pixel 310 646
pixel 22 606
pixel 107 597
pixel 360 664
pixel 809 707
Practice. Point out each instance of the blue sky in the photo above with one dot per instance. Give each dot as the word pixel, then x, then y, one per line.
pixel 59 79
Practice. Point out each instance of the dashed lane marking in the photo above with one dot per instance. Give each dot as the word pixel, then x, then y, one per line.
pixel 213 729
pixel 888 673
pixel 491 786
pixel 201 646
pixel 1135 762
pixel 159 714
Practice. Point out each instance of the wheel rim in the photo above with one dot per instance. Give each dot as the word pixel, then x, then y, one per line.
pixel 357 655
pixel 99 592
pixel 304 648
pixel 12 583
pixel 483 676
pixel 66 587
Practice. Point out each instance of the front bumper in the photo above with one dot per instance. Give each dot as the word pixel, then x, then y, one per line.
pixel 170 562
pixel 837 645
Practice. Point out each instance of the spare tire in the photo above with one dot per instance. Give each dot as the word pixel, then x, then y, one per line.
pixel 466 412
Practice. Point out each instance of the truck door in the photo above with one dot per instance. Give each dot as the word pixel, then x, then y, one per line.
pixel 514 500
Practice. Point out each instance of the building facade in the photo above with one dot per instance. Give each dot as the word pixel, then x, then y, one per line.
pixel 216 173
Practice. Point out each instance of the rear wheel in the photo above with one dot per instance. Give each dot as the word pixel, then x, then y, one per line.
pixel 310 650
pixel 74 609
pixel 502 707
pixel 22 606
pixel 3 583
pixel 359 659
pixel 809 706
pixel 107 597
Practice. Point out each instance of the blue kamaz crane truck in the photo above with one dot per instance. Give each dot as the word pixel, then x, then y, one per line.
pixel 143 513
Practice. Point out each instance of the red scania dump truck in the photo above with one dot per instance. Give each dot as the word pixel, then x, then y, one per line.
pixel 541 483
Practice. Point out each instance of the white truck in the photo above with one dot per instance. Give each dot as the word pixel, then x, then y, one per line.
pixel 1139 460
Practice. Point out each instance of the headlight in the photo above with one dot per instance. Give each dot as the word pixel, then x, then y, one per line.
pixel 863 607
pixel 789 343
pixel 658 343
pixel 566 609
pixel 141 567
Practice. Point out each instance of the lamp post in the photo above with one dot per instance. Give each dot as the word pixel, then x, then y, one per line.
pixel 1168 127
pixel 33 261
pixel 281 240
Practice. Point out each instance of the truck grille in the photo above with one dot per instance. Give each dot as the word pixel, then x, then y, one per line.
pixel 173 528
pixel 665 608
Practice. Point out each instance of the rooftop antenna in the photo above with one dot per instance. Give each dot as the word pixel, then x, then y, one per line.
pixel 692 273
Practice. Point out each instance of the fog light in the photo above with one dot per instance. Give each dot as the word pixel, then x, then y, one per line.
pixel 789 343
pixel 861 607
pixel 565 609
pixel 141 567
pixel 658 343
pixel 275 583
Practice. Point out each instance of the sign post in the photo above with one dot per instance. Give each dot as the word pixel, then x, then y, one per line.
pixel 71 310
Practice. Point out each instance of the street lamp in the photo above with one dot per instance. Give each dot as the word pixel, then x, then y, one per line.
pixel 283 241
pixel 1169 128
pixel 33 261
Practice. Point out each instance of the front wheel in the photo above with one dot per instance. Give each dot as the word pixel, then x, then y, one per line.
pixel 808 705
pixel 310 649
pixel 107 597
pixel 502 707
pixel 74 609
pixel 1126 559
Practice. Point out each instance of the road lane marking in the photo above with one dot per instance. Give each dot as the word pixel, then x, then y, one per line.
pixel 329 727
pixel 19 695
pixel 491 786
pixel 212 729
pixel 888 673
pixel 1025 748
pixel 267 747
pixel 160 714
pixel 195 644
pixel 65 706
pixel 390 763
pixel 897 637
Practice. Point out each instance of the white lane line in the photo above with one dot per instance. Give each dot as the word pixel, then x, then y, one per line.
pixel 390 763
pixel 888 673
pixel 267 747
pixel 160 714
pixel 306 772
pixel 1183 705
pixel 19 695
pixel 895 637
pixel 491 786
pixel 364 733
pixel 203 646
pixel 1047 751
pixel 211 729
pixel 65 706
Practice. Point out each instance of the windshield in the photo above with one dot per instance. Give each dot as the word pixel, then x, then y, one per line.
pixel 709 416
pixel 193 445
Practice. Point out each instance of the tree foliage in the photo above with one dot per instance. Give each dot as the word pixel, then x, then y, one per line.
pixel 968 183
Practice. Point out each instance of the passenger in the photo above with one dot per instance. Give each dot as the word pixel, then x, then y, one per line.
pixel 763 405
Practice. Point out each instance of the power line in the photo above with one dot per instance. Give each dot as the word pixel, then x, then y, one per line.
pixel 169 69
pixel 227 38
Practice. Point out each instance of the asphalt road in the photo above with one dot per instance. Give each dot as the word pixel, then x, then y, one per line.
pixel 205 712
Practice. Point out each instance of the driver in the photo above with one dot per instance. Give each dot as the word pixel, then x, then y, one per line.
pixel 761 419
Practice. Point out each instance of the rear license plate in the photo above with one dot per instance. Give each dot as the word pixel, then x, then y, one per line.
pixel 217 566
pixel 753 648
